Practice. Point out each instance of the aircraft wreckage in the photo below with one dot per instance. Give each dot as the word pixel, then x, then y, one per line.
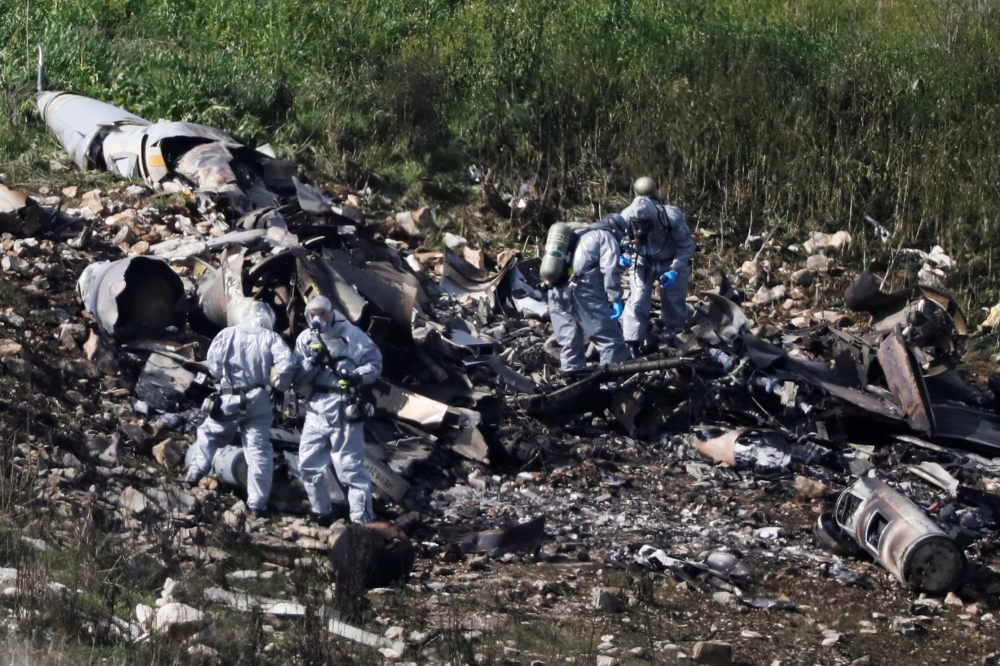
pixel 470 365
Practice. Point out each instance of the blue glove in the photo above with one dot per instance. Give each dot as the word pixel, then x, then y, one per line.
pixel 668 279
pixel 616 310
pixel 624 261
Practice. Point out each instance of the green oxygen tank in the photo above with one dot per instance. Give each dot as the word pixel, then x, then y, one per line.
pixel 557 254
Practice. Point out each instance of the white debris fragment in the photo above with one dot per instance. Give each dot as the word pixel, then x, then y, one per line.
pixel 821 241
pixel 454 242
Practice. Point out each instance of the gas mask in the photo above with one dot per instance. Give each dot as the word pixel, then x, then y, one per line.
pixel 316 322
pixel 642 229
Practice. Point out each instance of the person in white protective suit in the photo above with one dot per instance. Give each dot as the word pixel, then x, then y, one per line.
pixel 658 248
pixel 338 360
pixel 589 304
pixel 244 358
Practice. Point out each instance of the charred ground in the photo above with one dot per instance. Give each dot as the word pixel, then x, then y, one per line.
pixel 603 493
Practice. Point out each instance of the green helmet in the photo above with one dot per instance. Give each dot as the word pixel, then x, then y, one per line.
pixel 645 187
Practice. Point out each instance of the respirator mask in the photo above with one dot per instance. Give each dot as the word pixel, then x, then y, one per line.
pixel 642 229
pixel 315 320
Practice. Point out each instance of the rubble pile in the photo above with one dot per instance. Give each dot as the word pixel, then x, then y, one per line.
pixel 851 425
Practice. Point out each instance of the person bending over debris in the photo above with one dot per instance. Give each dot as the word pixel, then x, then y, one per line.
pixel 244 358
pixel 338 360
pixel 658 248
pixel 579 307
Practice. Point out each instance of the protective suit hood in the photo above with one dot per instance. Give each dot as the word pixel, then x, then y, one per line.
pixel 320 303
pixel 617 225
pixel 258 314
pixel 641 208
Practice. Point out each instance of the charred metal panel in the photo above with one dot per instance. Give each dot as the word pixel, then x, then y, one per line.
pixel 220 297
pixel 23 216
pixel 393 292
pixel 900 536
pixel 906 382
pixel 865 296
pixel 523 536
pixel 727 317
pixel 868 402
pixel 968 428
pixel 460 278
pixel 409 406
pixel 317 277
pixel 163 383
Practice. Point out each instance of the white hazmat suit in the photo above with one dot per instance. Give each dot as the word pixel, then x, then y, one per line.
pixel 580 308
pixel 328 435
pixel 668 247
pixel 242 357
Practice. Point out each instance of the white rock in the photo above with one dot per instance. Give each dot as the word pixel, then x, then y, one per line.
pixel 953 599
pixel 725 598
pixel 171 589
pixel 765 296
pixel 820 240
pixel 770 532
pixel 750 271
pixel 144 615
pixel 178 620
pixel 133 500
pixel 454 241
pixel 204 653
pixel 14 265
pixel 819 263
pixel 245 574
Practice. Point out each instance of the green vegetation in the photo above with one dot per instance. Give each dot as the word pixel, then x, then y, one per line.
pixel 807 113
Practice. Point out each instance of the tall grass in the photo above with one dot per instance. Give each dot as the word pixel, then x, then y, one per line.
pixel 807 111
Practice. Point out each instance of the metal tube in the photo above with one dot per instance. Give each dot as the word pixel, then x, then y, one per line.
pixel 900 536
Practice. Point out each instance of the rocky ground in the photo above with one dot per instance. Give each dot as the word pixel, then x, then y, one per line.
pixel 107 558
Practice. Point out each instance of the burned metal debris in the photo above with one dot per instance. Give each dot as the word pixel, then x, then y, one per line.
pixel 23 216
pixel 480 451
pixel 177 156
pixel 900 536
pixel 134 297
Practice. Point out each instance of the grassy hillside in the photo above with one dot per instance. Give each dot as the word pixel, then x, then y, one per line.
pixel 805 112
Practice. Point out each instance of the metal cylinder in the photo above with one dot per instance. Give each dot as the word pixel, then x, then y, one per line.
pixel 230 466
pixel 900 536
pixel 136 297
pixel 557 254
